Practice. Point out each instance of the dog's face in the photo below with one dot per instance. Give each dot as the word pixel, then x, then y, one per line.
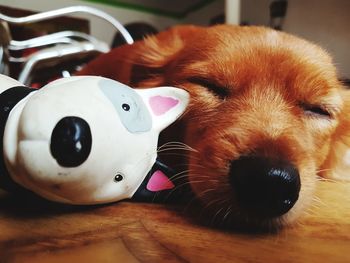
pixel 264 107
pixel 272 104
pixel 265 110
pixel 88 140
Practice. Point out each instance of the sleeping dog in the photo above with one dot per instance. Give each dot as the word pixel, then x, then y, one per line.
pixel 267 115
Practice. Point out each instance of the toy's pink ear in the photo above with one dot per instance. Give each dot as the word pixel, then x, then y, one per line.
pixel 165 104
pixel 160 104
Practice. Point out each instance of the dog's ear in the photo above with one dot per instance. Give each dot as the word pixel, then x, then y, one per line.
pixel 144 62
pixel 113 65
pixel 337 164
pixel 157 53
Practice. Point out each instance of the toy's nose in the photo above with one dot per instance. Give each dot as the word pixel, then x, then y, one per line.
pixel 71 141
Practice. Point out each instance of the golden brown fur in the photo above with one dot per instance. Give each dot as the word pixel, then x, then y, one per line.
pixel 254 91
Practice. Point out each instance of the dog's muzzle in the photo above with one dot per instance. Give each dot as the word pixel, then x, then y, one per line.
pixel 263 187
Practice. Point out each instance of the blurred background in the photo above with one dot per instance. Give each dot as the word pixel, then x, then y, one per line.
pixel 324 22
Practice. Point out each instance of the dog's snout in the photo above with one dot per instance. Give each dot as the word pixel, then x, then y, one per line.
pixel 264 187
pixel 71 141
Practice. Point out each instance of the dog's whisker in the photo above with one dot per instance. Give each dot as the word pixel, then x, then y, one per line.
pixel 319 179
pixel 185 155
pixel 300 224
pixel 182 155
pixel 188 205
pixel 206 208
pixel 203 193
pixel 180 174
pixel 310 212
pixel 318 201
pixel 175 189
pixel 313 206
pixel 172 149
pixel 196 182
pixel 185 184
pixel 176 146
pixel 176 143
pixel 323 170
pixel 224 209
pixel 203 180
pixel 323 179
pixel 198 166
pixel 206 180
pixel 197 197
pixel 227 213
pixel 219 200
pixel 213 220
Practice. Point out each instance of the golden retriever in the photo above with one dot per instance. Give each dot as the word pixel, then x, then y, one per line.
pixel 267 116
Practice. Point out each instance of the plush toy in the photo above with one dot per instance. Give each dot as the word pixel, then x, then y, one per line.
pixel 85 140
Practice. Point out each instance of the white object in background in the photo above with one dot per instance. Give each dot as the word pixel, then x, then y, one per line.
pixel 61 51
pixel 66 11
pixel 54 38
pixel 233 11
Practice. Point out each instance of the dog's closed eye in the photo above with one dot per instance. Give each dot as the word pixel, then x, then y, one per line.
pixel 316 110
pixel 217 90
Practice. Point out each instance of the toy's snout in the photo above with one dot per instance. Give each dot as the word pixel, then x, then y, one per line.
pixel 71 141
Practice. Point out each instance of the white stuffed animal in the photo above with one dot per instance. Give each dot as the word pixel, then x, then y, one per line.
pixel 83 140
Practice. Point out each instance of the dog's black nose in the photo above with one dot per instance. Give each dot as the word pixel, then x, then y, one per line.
pixel 264 187
pixel 71 141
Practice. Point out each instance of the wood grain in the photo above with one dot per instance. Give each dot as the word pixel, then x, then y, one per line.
pixel 34 231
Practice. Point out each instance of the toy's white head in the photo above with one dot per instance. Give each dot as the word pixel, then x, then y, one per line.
pixel 87 140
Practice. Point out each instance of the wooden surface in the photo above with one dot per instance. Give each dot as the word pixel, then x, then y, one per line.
pixel 130 232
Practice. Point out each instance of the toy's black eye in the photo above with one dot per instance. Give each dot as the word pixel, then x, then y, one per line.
pixel 118 178
pixel 71 141
pixel 126 107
